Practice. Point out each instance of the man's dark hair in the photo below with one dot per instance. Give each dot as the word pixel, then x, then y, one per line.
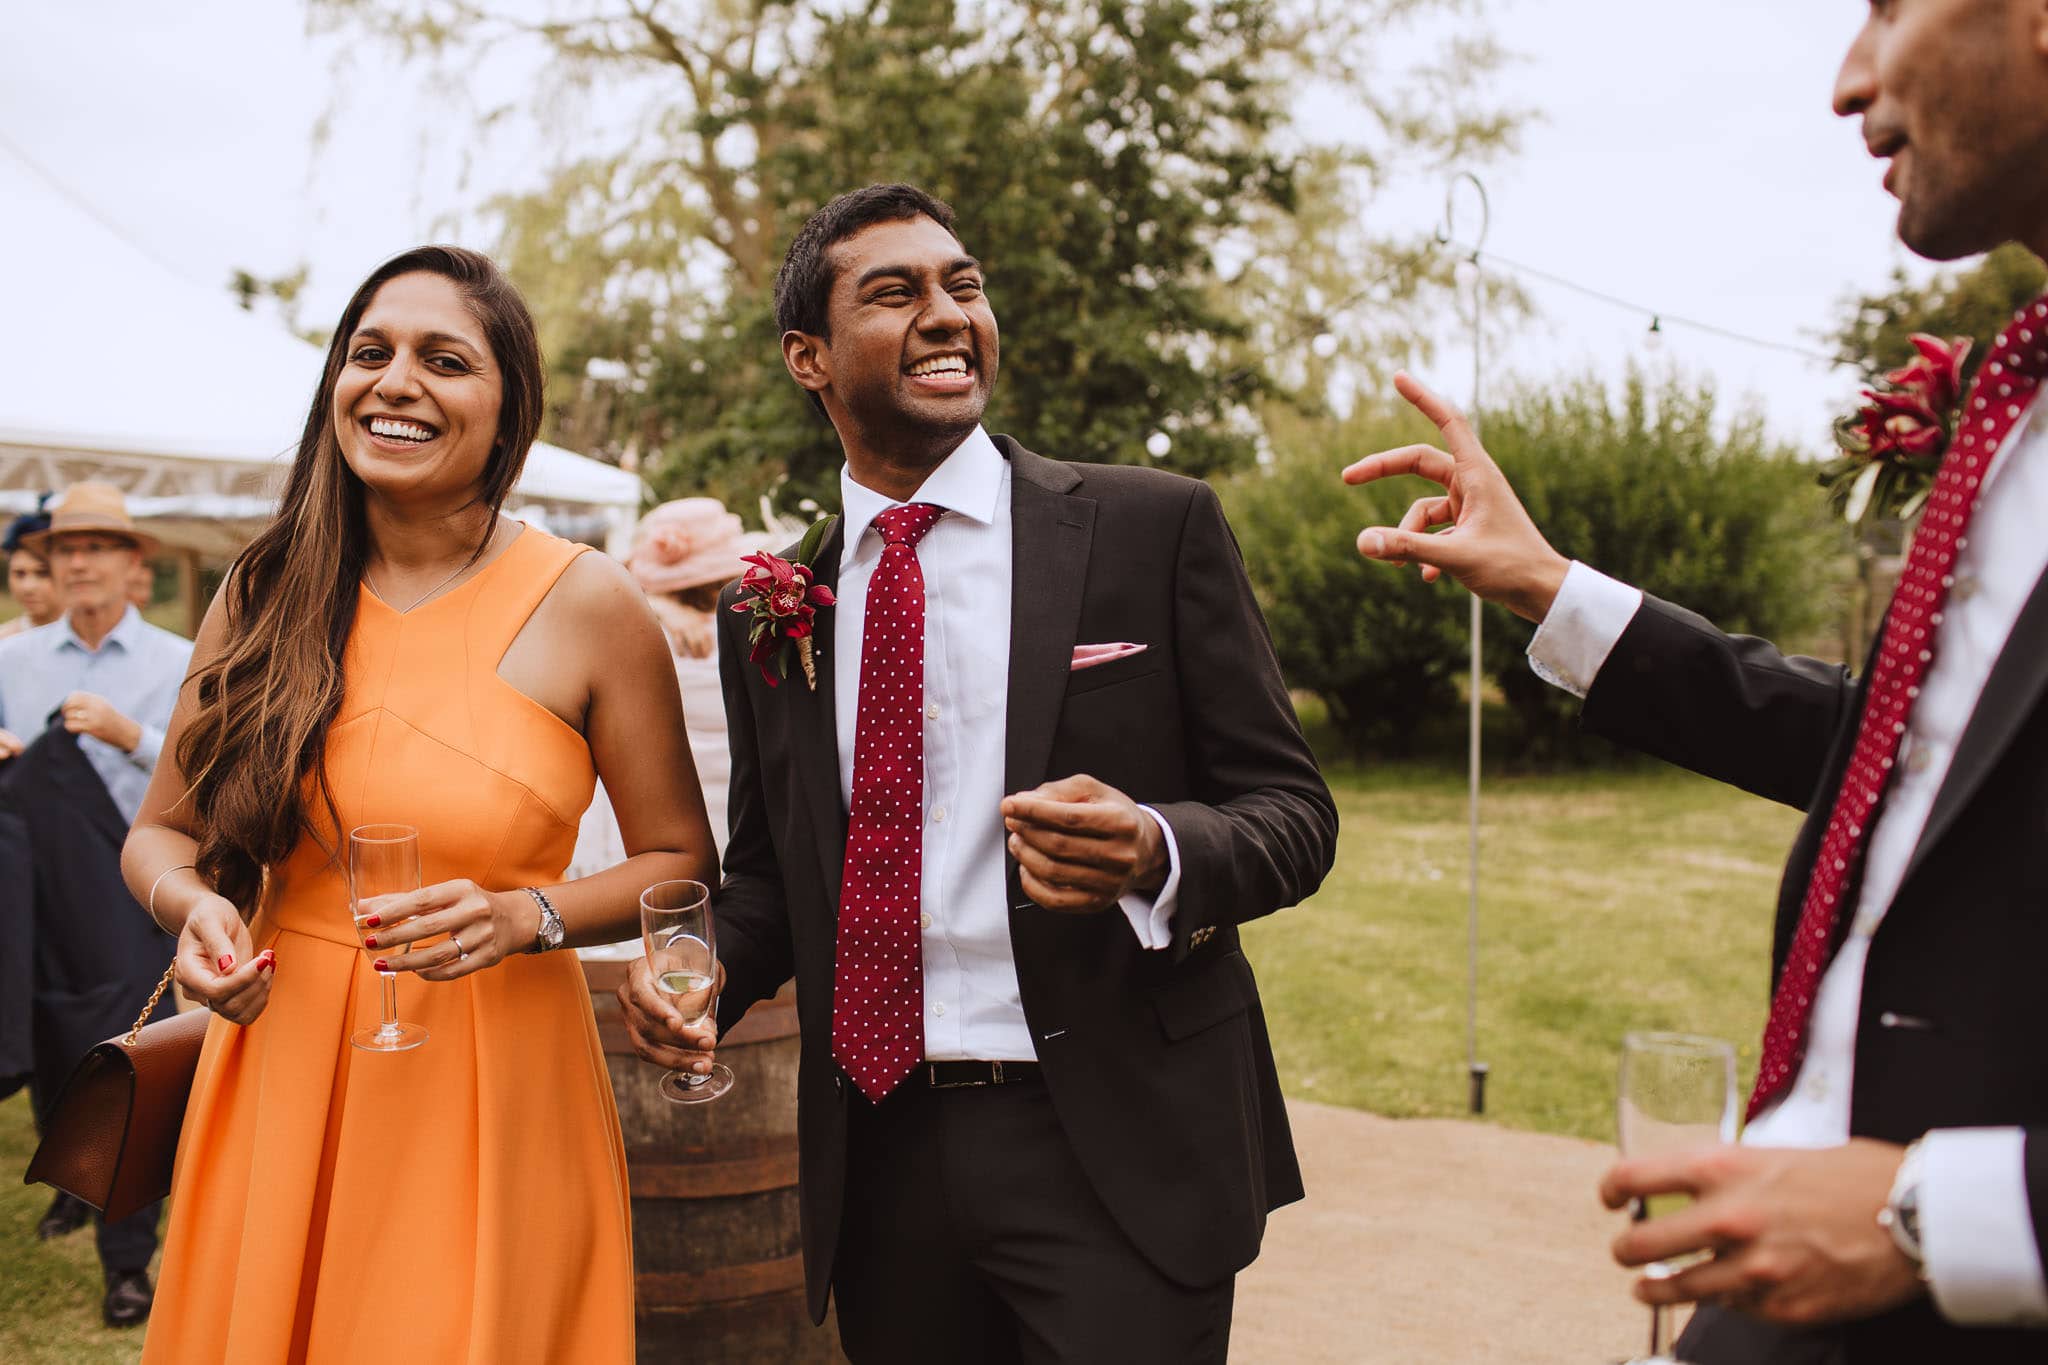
pixel 803 286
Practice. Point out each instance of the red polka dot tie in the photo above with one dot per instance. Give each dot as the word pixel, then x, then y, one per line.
pixel 878 970
pixel 2003 388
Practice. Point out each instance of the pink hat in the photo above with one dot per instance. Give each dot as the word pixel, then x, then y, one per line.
pixel 687 544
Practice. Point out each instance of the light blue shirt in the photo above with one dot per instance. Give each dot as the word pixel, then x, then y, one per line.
pixel 137 668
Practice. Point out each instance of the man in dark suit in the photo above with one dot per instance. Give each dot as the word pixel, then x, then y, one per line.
pixel 1890 1201
pixel 1038 1112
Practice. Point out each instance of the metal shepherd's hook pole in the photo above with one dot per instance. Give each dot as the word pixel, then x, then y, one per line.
pixel 1475 1069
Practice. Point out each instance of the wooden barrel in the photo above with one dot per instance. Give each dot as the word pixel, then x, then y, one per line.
pixel 717 1238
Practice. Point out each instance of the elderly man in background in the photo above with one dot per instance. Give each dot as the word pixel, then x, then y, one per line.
pixel 96 685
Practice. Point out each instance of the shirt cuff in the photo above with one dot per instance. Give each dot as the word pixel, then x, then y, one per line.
pixel 1976 1231
pixel 1587 617
pixel 1151 917
pixel 144 754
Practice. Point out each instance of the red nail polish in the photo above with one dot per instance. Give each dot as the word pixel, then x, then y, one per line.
pixel 227 960
pixel 369 940
pixel 267 963
pixel 382 965
pixel 374 920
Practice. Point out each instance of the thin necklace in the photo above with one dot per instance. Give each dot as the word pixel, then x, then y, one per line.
pixel 406 610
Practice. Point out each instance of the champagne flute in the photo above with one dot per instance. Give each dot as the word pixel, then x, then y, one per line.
pixel 383 860
pixel 1677 1091
pixel 682 952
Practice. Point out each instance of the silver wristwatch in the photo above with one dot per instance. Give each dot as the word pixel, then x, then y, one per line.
pixel 1900 1215
pixel 550 935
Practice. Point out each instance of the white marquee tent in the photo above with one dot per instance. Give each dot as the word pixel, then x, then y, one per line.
pixel 113 367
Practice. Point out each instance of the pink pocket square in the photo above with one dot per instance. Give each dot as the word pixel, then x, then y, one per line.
pixel 1089 656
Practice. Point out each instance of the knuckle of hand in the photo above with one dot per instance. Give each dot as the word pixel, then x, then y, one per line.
pixel 1738 1225
pixel 1722 1164
pixel 1767 1270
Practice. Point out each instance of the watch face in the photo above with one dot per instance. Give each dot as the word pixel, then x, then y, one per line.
pixel 1909 1213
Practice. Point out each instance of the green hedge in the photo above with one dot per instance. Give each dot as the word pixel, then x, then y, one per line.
pixel 1647 481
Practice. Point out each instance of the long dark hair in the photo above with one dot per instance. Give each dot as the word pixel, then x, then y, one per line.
pixel 266 702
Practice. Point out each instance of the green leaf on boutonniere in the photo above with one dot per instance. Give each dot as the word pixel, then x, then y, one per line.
pixel 814 538
pixel 1860 491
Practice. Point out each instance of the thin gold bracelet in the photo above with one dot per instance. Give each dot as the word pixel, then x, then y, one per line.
pixel 151 904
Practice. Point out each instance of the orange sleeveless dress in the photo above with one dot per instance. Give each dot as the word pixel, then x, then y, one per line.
pixel 462 1202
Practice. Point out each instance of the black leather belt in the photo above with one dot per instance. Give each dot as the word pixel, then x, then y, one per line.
pixel 957 1075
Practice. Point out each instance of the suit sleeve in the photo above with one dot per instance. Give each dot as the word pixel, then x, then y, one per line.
pixel 751 912
pixel 1260 831
pixel 1730 707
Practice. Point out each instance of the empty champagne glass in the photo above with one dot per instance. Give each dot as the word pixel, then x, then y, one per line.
pixel 383 860
pixel 682 952
pixel 1677 1091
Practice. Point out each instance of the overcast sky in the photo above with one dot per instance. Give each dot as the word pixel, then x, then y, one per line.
pixel 1686 160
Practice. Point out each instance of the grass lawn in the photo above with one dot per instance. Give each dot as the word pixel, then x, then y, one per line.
pixel 49 1291
pixel 1608 902
pixel 1638 899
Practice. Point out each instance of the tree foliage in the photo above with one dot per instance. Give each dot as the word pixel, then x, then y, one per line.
pixel 1103 155
pixel 1655 485
pixel 1383 649
pixel 286 292
pixel 1651 483
pixel 1876 330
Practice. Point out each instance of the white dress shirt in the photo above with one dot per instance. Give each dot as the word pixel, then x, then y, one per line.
pixel 1982 1262
pixel 972 1007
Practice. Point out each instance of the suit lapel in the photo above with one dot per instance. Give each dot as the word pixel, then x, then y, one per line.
pixel 814 727
pixel 2010 694
pixel 1052 532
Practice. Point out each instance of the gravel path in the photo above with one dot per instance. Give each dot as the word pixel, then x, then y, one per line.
pixel 1441 1242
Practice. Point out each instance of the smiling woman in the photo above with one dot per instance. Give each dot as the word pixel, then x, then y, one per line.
pixel 394 651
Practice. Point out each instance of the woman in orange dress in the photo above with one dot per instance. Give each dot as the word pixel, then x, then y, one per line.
pixel 392 649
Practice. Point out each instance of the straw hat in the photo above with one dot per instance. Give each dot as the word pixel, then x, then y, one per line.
pixel 90 506
pixel 687 544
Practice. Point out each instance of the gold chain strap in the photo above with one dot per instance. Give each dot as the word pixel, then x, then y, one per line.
pixel 150 1008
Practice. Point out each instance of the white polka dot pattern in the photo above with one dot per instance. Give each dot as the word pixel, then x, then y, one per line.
pixel 878 968
pixel 2012 374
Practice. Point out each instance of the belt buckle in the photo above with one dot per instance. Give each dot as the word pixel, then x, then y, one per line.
pixel 932 1078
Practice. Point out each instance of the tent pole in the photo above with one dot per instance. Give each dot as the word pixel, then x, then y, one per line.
pixel 188 591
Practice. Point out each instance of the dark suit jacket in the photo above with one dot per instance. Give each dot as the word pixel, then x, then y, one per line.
pixel 1952 1033
pixel 96 956
pixel 1157 1063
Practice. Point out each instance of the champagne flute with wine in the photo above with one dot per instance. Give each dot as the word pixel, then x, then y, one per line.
pixel 1677 1091
pixel 682 952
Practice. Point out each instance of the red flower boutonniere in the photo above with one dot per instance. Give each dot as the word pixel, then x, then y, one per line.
pixel 783 596
pixel 1893 444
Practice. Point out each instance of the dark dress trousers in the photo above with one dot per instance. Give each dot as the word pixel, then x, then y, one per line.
pixel 96 955
pixel 1951 1033
pixel 1156 1063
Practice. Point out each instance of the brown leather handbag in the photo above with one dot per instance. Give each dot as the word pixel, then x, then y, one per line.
pixel 113 1133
